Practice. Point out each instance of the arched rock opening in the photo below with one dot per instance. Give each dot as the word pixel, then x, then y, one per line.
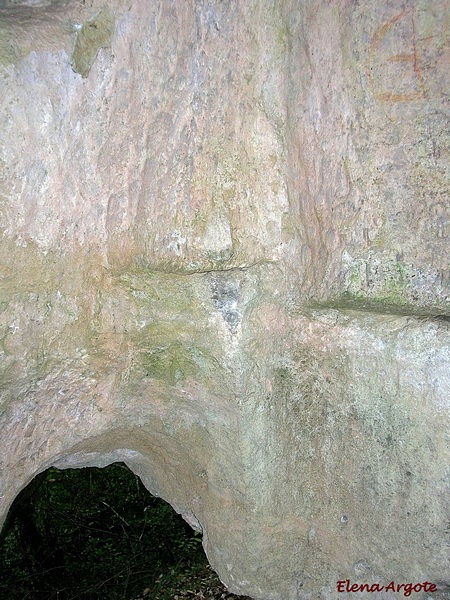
pixel 85 533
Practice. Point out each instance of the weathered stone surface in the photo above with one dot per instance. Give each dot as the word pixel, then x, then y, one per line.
pixel 224 261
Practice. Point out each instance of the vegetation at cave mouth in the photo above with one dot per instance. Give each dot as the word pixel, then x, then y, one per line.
pixel 91 534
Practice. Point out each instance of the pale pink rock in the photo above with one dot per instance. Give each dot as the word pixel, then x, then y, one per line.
pixel 224 262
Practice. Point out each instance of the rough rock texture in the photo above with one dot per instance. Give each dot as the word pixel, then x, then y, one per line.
pixel 224 261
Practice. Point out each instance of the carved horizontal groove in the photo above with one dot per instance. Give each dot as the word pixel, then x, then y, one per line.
pixel 387 310
pixel 205 271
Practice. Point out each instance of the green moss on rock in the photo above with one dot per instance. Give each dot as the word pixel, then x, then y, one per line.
pixel 95 34
pixel 9 54
pixel 172 364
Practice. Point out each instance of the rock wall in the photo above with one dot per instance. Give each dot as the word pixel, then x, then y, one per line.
pixel 224 261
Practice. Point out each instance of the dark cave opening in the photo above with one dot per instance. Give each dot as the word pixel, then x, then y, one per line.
pixel 94 533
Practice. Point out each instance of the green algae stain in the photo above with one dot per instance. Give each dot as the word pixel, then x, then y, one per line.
pixel 95 34
pixel 383 285
pixel 172 341
pixel 172 364
pixel 9 54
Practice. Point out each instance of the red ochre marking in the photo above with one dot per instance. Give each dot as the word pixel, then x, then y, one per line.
pixel 410 58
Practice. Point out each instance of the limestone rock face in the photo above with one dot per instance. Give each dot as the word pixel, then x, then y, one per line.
pixel 224 261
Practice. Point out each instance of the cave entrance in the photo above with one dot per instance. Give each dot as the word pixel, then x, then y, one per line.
pixel 95 533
